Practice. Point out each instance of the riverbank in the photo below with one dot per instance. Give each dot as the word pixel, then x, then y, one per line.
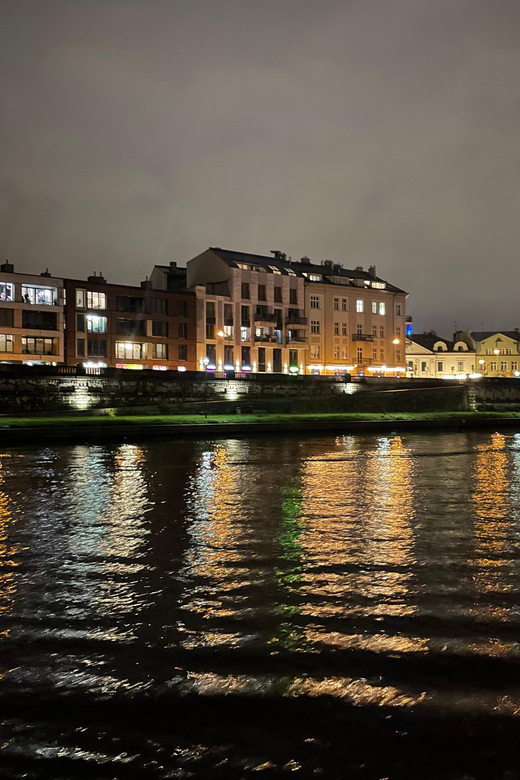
pixel 18 430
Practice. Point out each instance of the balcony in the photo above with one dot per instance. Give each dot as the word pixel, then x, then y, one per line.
pixel 293 319
pixel 265 316
pixel 263 337
pixel 363 337
pixel 296 340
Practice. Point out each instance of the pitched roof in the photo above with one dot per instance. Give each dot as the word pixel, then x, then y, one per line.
pixel 482 335
pixel 428 342
pixel 302 268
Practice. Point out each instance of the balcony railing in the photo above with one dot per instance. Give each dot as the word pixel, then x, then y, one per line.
pixel 293 319
pixel 265 317
pixel 296 340
pixel 362 337
pixel 264 337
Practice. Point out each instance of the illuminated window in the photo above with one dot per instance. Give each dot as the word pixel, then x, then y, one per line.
pixel 6 291
pixel 336 353
pixel 6 343
pixel 160 351
pixel 359 305
pixel 96 300
pixel 374 307
pixel 382 308
pixel 80 299
pixel 41 296
pixel 315 277
pixel 96 324
pixel 315 351
pixel 37 346
pixel 343 353
pixel 130 350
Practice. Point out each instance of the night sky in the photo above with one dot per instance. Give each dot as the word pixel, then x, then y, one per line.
pixel 381 132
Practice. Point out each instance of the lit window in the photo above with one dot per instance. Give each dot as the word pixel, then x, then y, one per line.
pixel 96 300
pixel 315 277
pixel 80 299
pixel 41 296
pixel 315 302
pixel 96 324
pixel 6 291
pixel 6 343
pixel 160 351
pixel 374 307
pixel 336 353
pixel 359 305
pixel 460 365
pixel 315 350
pixel 382 308
pixel 37 346
pixel 130 350
pixel 343 353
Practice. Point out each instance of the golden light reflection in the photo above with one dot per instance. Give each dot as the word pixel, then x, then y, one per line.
pixel 8 552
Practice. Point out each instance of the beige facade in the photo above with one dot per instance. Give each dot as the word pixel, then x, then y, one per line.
pixel 250 312
pixel 437 358
pixel 31 317
pixel 357 322
pixel 497 353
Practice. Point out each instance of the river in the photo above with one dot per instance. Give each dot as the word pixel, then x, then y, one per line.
pixel 330 607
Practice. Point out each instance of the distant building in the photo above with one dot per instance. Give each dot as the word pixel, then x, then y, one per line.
pixel 31 317
pixel 430 355
pixel 121 326
pixel 497 352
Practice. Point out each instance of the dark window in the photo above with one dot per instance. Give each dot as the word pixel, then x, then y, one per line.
pixel 245 315
pixel 246 356
pixel 80 347
pixel 228 314
pixel 97 348
pixel 245 290
pixel 228 355
pixel 210 312
pixel 183 351
pixel 261 359
pixel 278 294
pixel 6 317
pixel 279 317
pixel 183 330
pixel 293 357
pixel 183 308
pixel 159 328
pixel 210 330
pixel 80 323
pixel 277 361
pixel 293 296
pixel 128 303
pixel 261 292
pixel 157 306
pixel 211 352
pixel 131 327
pixel 39 320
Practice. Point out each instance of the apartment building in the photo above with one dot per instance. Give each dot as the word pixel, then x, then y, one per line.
pixel 430 355
pixel 497 352
pixel 31 317
pixel 357 320
pixel 121 326
pixel 250 312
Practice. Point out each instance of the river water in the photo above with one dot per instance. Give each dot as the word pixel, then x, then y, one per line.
pixel 330 607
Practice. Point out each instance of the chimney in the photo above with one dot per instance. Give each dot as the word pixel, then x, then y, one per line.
pixel 46 273
pixel 359 268
pixel 173 264
pixel 146 285
pixel 278 255
pixel 372 271
pixel 305 260
pixel 97 279
pixel 7 267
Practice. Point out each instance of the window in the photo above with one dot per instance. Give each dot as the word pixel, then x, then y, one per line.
pixel 245 290
pixel 80 299
pixel 228 314
pixel 293 357
pixel 315 351
pixel 336 328
pixel 359 329
pixel 424 366
pixel 210 330
pixel 183 351
pixel 336 353
pixel 374 307
pixel 228 332
pixel 359 305
pixel 359 355
pixel 382 356
pixel 228 356
pixel 130 350
pixel 37 346
pixel 246 356
pixel 80 347
pixel 315 326
pixel 80 323
pixel 509 351
pixel 503 366
pixel 382 308
pixel 315 277
pixel 493 365
pixel 98 300
pixel 293 295
pixel 6 343
pixel 374 354
pixel 211 355
pixel 336 304
pixel 42 296
pixel 210 311
pixel 183 330
pixel 39 320
pixel 125 327
pixel 6 317
pixel 381 332
pixel 245 315
pixel 398 309
pixel 183 309
pixel 398 332
pixel 159 306
pixel 6 292
pixel 398 357
pixel 488 352
pixel 343 353
pixel 262 295
pixel 245 333
pixel 440 365
pixel 315 302
pixel 160 328
pixel 343 304
pixel 278 295
pixel 460 365
pixel 160 351
pixel 514 365
pixel 97 348
pixel 374 330
pixel 95 324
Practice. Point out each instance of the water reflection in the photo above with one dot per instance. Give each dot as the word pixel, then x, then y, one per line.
pixel 9 560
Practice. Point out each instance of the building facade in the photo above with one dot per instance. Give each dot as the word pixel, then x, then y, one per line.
pixel 122 326
pixel 497 353
pixel 31 317
pixel 250 312
pixel 429 355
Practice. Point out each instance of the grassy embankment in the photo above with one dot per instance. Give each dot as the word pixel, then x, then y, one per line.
pixel 199 419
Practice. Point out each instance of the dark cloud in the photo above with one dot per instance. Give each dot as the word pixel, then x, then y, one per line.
pixel 369 131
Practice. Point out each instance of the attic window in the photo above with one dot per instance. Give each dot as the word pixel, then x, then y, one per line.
pixel 379 285
pixel 315 277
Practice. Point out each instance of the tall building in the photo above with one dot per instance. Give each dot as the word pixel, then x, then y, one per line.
pixel 250 312
pixel 31 317
pixel 121 326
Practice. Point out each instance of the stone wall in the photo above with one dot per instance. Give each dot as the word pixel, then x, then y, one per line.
pixel 35 390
